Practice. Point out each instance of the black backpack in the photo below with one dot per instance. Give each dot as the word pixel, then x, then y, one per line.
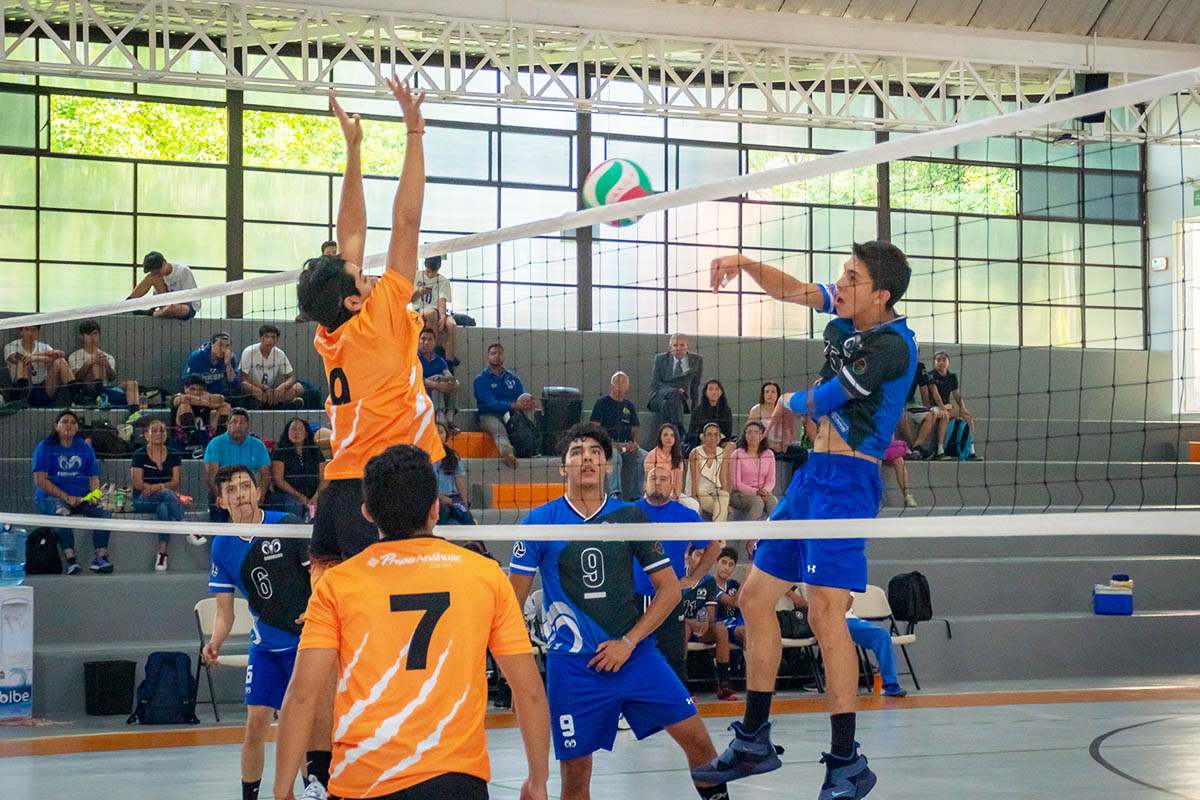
pixel 41 553
pixel 794 624
pixel 908 595
pixel 105 440
pixel 167 696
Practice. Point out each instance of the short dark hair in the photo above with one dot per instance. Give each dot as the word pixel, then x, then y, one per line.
pixel 330 243
pixel 399 488
pixel 728 552
pixel 219 335
pixel 153 261
pixel 263 330
pixel 493 344
pixel 195 380
pixel 585 430
pixel 88 326
pixel 323 288
pixel 888 267
pixel 430 331
pixel 433 263
pixel 240 412
pixel 226 474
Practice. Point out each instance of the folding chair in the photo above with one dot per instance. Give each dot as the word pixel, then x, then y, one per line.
pixel 873 605
pixel 206 617
pixel 808 644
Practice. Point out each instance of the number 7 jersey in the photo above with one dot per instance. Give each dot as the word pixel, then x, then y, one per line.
pixel 411 621
pixel 376 387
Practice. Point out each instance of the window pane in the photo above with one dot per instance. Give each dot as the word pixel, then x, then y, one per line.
pixel 1048 193
pixel 923 234
pixel 17 185
pixel 26 51
pixel 16 120
pixel 70 286
pixel 702 129
pixel 1120 245
pixel 458 153
pixel 286 197
pixel 703 313
pixel 73 236
pixel 767 317
pixel 1036 151
pixel 966 188
pixel 1056 326
pixel 539 261
pixel 89 185
pixel 774 226
pixel 1104 155
pixel 1050 284
pixel 704 223
pixel 526 158
pixel 1114 328
pixel 987 237
pixel 215 308
pixel 190 62
pixel 794 136
pixel 478 300
pixel 268 68
pixel 530 205
pixel 994 325
pixel 697 166
pixel 295 141
pixel 994 282
pixel 932 279
pixel 836 139
pixel 17 231
pixel 52 54
pixel 539 117
pixel 650 156
pixel 136 129
pixel 195 242
pixel 688 267
pixel 1109 196
pixel 858 187
pixel 1113 287
pixel 627 310
pixel 627 265
pixel 1050 241
pixel 538 307
pixel 18 288
pixel 459 209
pixel 837 229
pixel 278 302
pixel 476 263
pixel 269 247
pixel 993 149
pixel 930 322
pixel 164 189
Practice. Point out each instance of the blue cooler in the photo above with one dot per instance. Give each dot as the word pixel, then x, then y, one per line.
pixel 1112 600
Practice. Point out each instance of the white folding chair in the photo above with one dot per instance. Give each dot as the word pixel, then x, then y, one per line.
pixel 807 644
pixel 873 605
pixel 206 617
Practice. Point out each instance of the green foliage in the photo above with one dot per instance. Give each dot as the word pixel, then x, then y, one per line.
pixel 135 129
pixel 857 187
pixel 965 188
pixel 314 143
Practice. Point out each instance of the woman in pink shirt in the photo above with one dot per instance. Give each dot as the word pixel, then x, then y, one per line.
pixel 668 454
pixel 753 474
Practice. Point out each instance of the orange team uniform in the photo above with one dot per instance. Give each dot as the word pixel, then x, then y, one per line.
pixel 411 621
pixel 376 386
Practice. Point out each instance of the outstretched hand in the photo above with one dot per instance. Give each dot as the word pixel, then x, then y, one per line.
pixel 724 269
pixel 410 106
pixel 351 125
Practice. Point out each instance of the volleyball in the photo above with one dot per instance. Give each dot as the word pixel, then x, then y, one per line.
pixel 613 181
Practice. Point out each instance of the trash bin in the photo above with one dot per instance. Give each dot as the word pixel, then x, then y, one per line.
pixel 562 407
pixel 108 687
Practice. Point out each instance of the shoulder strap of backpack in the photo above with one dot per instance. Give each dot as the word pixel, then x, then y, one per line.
pixel 147 687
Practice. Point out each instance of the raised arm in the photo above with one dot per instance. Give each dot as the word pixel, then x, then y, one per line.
pixel 352 211
pixel 410 194
pixel 774 282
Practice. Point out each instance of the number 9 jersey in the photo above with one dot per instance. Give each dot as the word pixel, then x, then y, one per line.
pixel 376 389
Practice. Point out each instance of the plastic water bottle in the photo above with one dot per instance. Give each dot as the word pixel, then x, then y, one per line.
pixel 12 555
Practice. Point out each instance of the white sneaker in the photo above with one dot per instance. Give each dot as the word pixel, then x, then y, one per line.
pixel 314 791
pixel 196 539
pixel 160 562
pixel 910 501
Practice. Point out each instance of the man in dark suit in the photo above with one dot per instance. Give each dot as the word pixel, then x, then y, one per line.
pixel 675 385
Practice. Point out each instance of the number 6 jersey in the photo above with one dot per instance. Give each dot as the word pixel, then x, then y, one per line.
pixel 376 392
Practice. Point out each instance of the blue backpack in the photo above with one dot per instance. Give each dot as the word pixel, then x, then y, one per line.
pixel 167 695
pixel 958 440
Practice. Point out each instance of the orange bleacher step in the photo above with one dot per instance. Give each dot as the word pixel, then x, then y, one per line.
pixel 474 444
pixel 525 495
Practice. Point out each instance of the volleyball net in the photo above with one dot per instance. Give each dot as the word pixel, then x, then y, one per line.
pixel 1051 264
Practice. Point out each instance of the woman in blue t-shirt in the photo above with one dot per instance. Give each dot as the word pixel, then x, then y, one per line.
pixel 65 471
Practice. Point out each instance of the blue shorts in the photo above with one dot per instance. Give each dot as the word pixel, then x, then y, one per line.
pixel 733 622
pixel 191 312
pixel 585 704
pixel 826 487
pixel 267 676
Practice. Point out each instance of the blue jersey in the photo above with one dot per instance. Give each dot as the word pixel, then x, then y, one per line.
pixel 699 596
pixel 875 369
pixel 277 572
pixel 587 586
pixel 676 549
pixel 730 589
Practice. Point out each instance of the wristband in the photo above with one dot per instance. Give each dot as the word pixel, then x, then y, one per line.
pixel 625 639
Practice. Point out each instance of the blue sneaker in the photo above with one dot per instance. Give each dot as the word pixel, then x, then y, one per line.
pixel 894 690
pixel 849 782
pixel 748 754
pixel 101 564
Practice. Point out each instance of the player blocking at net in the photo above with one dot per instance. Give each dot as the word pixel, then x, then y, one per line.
pixel 870 359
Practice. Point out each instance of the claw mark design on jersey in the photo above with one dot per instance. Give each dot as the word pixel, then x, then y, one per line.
pixel 360 706
pixel 353 662
pixel 425 744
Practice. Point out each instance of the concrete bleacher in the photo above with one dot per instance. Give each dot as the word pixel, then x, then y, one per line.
pixel 1020 607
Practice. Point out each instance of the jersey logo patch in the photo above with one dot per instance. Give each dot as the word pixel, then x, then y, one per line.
pixel 518 549
pixel 860 366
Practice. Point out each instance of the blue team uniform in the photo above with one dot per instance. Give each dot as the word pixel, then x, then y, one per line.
pixel 676 549
pixel 874 370
pixel 277 569
pixel 588 598
pixel 731 618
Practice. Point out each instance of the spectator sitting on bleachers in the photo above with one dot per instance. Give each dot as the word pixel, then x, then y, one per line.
pixel 618 415
pixel 164 277
pixel 872 637
pixel 329 248
pixel 752 472
pixel 65 471
pixel 505 410
pixel 709 469
pixel 37 370
pixel 452 484
pixel 431 299
pixel 668 454
pixel 193 420
pixel 440 382
pixel 235 446
pixel 96 372
pixel 154 474
pixel 946 403
pixel 729 613
pixel 297 471
pixel 675 381
pixel 215 362
pixel 713 407
pixel 916 409
pixel 267 375
pixel 700 618
pixel 768 397
pixel 893 457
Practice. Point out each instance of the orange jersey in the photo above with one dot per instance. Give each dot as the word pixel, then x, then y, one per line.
pixel 411 621
pixel 376 385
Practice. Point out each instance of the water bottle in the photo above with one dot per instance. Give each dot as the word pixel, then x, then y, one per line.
pixel 12 555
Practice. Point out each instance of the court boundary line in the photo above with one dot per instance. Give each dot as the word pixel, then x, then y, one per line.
pixel 1094 752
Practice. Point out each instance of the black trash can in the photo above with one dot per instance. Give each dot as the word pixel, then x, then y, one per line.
pixel 562 407
pixel 108 687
